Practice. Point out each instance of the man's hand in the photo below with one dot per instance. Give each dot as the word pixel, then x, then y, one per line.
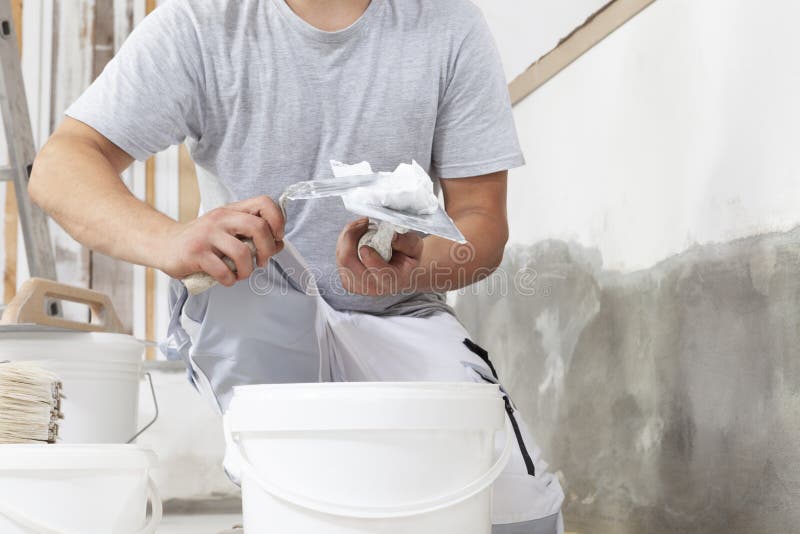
pixel 373 276
pixel 79 168
pixel 478 207
pixel 200 244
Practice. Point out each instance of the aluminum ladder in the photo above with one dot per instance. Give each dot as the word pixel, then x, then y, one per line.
pixel 21 152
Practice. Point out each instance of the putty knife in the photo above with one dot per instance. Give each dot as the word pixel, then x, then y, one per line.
pixel 437 223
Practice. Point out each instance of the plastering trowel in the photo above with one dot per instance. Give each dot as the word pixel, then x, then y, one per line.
pixel 384 221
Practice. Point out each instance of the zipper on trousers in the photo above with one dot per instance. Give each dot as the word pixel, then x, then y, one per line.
pixel 483 354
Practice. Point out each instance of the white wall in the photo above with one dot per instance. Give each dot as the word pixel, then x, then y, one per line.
pixel 527 29
pixel 680 128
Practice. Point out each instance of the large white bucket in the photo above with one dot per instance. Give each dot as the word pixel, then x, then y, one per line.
pixel 346 458
pixel 77 489
pixel 100 372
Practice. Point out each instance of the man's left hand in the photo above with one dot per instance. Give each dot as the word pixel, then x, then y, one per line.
pixel 370 275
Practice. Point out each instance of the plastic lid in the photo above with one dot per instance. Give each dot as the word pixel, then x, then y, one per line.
pixel 69 457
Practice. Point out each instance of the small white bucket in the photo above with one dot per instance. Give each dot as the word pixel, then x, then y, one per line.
pixel 346 458
pixel 77 489
pixel 100 372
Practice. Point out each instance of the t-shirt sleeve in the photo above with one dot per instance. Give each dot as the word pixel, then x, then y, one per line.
pixel 475 131
pixel 150 94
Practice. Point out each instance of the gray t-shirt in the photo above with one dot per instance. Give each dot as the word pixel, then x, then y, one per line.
pixel 265 100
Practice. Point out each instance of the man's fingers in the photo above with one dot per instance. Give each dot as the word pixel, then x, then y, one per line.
pixel 405 265
pixel 237 251
pixel 346 247
pixel 212 265
pixel 371 259
pixel 351 269
pixel 409 244
pixel 266 208
pixel 254 227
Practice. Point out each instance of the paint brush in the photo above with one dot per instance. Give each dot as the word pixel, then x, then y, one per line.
pixel 30 403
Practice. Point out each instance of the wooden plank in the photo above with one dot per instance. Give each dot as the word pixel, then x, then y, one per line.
pixel 123 21
pixel 150 274
pixel 37 60
pixel 18 139
pixel 109 275
pixel 189 201
pixel 16 16
pixel 11 215
pixel 596 28
pixel 103 35
pixel 71 73
pixel 10 244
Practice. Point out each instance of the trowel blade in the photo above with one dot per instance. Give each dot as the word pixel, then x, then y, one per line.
pixel 437 223
pixel 331 187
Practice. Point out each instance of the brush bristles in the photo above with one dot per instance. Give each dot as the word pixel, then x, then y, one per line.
pixel 30 403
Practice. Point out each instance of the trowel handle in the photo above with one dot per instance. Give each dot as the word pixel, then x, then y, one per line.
pixel 31 303
pixel 379 237
pixel 199 282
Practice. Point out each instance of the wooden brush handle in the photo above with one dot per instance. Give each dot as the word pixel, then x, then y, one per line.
pixel 30 306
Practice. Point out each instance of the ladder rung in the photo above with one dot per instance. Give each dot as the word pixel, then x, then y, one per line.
pixel 6 174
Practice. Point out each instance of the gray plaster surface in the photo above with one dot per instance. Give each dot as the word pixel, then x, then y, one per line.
pixel 669 399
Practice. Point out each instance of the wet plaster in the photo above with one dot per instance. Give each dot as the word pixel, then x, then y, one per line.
pixel 668 398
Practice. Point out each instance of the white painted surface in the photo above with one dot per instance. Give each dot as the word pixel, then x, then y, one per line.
pixel 527 29
pixel 37 57
pixel 680 128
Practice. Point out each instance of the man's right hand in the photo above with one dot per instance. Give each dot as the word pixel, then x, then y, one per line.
pixel 199 245
pixel 76 180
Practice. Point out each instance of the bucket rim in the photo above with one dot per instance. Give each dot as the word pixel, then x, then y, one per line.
pixel 71 457
pixel 70 346
pixel 345 406
pixel 43 335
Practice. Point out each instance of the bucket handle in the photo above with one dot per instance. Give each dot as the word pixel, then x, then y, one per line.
pixel 36 294
pixel 155 406
pixel 41 528
pixel 382 512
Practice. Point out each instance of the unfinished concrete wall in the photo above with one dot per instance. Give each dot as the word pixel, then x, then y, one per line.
pixel 669 398
pixel 646 319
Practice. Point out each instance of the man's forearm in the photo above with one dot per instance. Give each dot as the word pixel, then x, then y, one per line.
pixel 446 266
pixel 77 184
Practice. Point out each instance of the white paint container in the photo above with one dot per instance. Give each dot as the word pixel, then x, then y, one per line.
pixel 71 489
pixel 347 458
pixel 100 372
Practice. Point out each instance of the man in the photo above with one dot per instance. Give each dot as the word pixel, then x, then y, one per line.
pixel 266 92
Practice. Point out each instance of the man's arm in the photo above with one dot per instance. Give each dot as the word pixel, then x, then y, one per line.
pixel 478 207
pixel 76 180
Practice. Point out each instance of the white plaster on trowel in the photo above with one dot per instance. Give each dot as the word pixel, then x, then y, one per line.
pixel 408 188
